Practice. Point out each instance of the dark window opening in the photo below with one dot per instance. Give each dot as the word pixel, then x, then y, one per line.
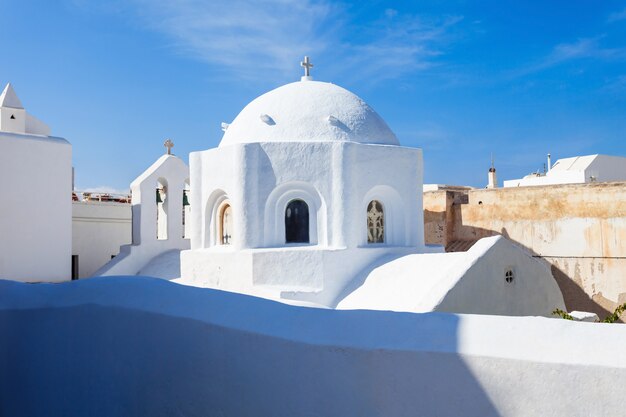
pixel 74 267
pixel 12 117
pixel 297 222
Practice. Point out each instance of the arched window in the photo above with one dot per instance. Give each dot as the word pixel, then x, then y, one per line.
pixel 297 222
pixel 375 222
pixel 226 224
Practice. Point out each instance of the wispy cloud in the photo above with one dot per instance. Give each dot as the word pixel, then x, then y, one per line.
pixel 616 85
pixel 617 16
pixel 399 44
pixel 240 35
pixel 580 49
pixel 247 38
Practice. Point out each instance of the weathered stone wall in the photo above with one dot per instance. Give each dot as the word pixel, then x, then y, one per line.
pixel 580 229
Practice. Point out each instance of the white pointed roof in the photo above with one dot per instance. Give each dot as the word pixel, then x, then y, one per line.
pixel 308 111
pixel 8 98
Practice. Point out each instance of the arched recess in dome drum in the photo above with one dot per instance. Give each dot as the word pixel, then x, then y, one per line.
pixel 392 218
pixel 212 221
pixel 276 206
pixel 297 222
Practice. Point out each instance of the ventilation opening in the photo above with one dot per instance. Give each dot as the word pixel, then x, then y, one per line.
pixel 12 117
pixel 509 276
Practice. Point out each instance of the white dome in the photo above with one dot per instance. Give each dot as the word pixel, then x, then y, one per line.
pixel 308 111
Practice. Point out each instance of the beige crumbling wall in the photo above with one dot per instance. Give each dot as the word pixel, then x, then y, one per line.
pixel 580 229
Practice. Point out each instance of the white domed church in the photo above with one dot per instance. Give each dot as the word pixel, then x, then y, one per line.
pixel 310 199
pixel 307 188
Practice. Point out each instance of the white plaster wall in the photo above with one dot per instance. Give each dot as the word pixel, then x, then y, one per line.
pixel 554 177
pixel 468 282
pixel 306 273
pixel 98 231
pixel 172 171
pixel 16 125
pixel 35 208
pixel 215 175
pixel 606 168
pixel 336 179
pixel 394 176
pixel 193 350
pixel 483 290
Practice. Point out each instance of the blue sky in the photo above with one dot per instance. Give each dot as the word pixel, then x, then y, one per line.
pixel 460 79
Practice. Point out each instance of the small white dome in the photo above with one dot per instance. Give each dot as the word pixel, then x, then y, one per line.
pixel 308 111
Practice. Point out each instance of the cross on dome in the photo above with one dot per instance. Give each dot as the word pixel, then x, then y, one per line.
pixel 306 64
pixel 169 145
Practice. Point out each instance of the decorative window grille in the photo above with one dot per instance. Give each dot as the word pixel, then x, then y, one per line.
pixel 375 222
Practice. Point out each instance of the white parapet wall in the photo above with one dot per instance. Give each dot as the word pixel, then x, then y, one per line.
pixel 137 346
pixel 35 208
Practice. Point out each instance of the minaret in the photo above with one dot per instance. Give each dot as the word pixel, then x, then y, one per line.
pixel 492 180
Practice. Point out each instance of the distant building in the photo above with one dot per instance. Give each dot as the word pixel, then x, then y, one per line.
pixel 36 199
pixel 578 229
pixel 577 170
pixel 100 225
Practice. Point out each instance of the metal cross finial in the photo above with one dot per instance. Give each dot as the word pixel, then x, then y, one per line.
pixel 306 64
pixel 169 145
